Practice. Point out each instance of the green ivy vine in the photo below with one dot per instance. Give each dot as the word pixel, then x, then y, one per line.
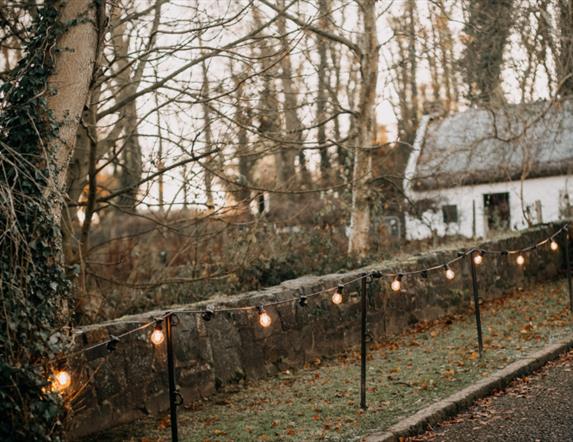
pixel 34 288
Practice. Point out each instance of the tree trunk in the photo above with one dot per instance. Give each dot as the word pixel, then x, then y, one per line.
pixel 323 11
pixel 131 170
pixel 49 96
pixel 272 121
pixel 207 177
pixel 412 63
pixel 293 125
pixel 487 29
pixel 360 216
pixel 90 207
pixel 406 128
pixel 344 158
pixel 445 43
pixel 129 76
pixel 243 120
pixel 160 154
pixel 565 58
pixel 74 66
pixel 185 185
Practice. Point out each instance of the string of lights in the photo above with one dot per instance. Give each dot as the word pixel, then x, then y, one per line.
pixel 478 257
pixel 551 239
pixel 62 379
pixel 111 343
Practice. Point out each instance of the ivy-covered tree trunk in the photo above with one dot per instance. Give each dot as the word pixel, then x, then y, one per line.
pixel 564 58
pixel 488 28
pixel 41 108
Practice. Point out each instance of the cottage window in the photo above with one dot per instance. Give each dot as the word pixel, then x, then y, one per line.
pixel 450 212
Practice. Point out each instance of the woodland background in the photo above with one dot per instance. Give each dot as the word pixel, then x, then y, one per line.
pixel 156 151
pixel 230 145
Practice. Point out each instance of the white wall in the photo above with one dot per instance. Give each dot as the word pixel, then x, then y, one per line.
pixel 546 190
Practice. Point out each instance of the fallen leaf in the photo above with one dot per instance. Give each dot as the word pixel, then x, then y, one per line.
pixel 165 422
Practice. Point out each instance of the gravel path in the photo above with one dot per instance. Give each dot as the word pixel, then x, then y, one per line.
pixel 535 408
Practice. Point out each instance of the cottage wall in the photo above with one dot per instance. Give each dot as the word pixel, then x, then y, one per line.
pixel 548 191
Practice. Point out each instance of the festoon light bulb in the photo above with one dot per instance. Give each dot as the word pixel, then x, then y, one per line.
pixel 265 319
pixel 520 260
pixel 450 274
pixel 397 284
pixel 554 246
pixel 61 380
pixel 478 258
pixel 337 295
pixel 157 336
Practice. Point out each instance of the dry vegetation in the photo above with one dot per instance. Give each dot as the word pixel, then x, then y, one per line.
pixel 160 151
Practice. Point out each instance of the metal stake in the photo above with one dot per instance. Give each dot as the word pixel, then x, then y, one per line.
pixel 171 372
pixel 364 306
pixel 568 264
pixel 476 302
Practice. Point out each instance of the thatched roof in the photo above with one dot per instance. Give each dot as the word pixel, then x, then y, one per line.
pixel 483 146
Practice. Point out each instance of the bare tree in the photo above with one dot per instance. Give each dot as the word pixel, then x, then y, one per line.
pixel 487 30
pixel 293 126
pixel 564 55
pixel 207 176
pixel 321 98
pixel 365 128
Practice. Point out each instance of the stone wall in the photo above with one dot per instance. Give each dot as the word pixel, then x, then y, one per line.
pixel 131 382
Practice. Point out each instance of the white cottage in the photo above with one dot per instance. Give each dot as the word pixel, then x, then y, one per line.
pixel 479 171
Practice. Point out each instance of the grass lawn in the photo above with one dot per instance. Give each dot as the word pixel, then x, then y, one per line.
pixel 321 402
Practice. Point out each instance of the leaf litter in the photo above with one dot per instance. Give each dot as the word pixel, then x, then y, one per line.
pixel 428 362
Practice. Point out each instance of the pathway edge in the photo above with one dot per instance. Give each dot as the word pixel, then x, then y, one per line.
pixel 463 399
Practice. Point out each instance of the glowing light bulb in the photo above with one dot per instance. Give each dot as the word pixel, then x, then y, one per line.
pixel 61 381
pixel 520 260
pixel 478 259
pixel 157 337
pixel 554 246
pixel 265 319
pixel 337 298
pixel 396 285
pixel 450 274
